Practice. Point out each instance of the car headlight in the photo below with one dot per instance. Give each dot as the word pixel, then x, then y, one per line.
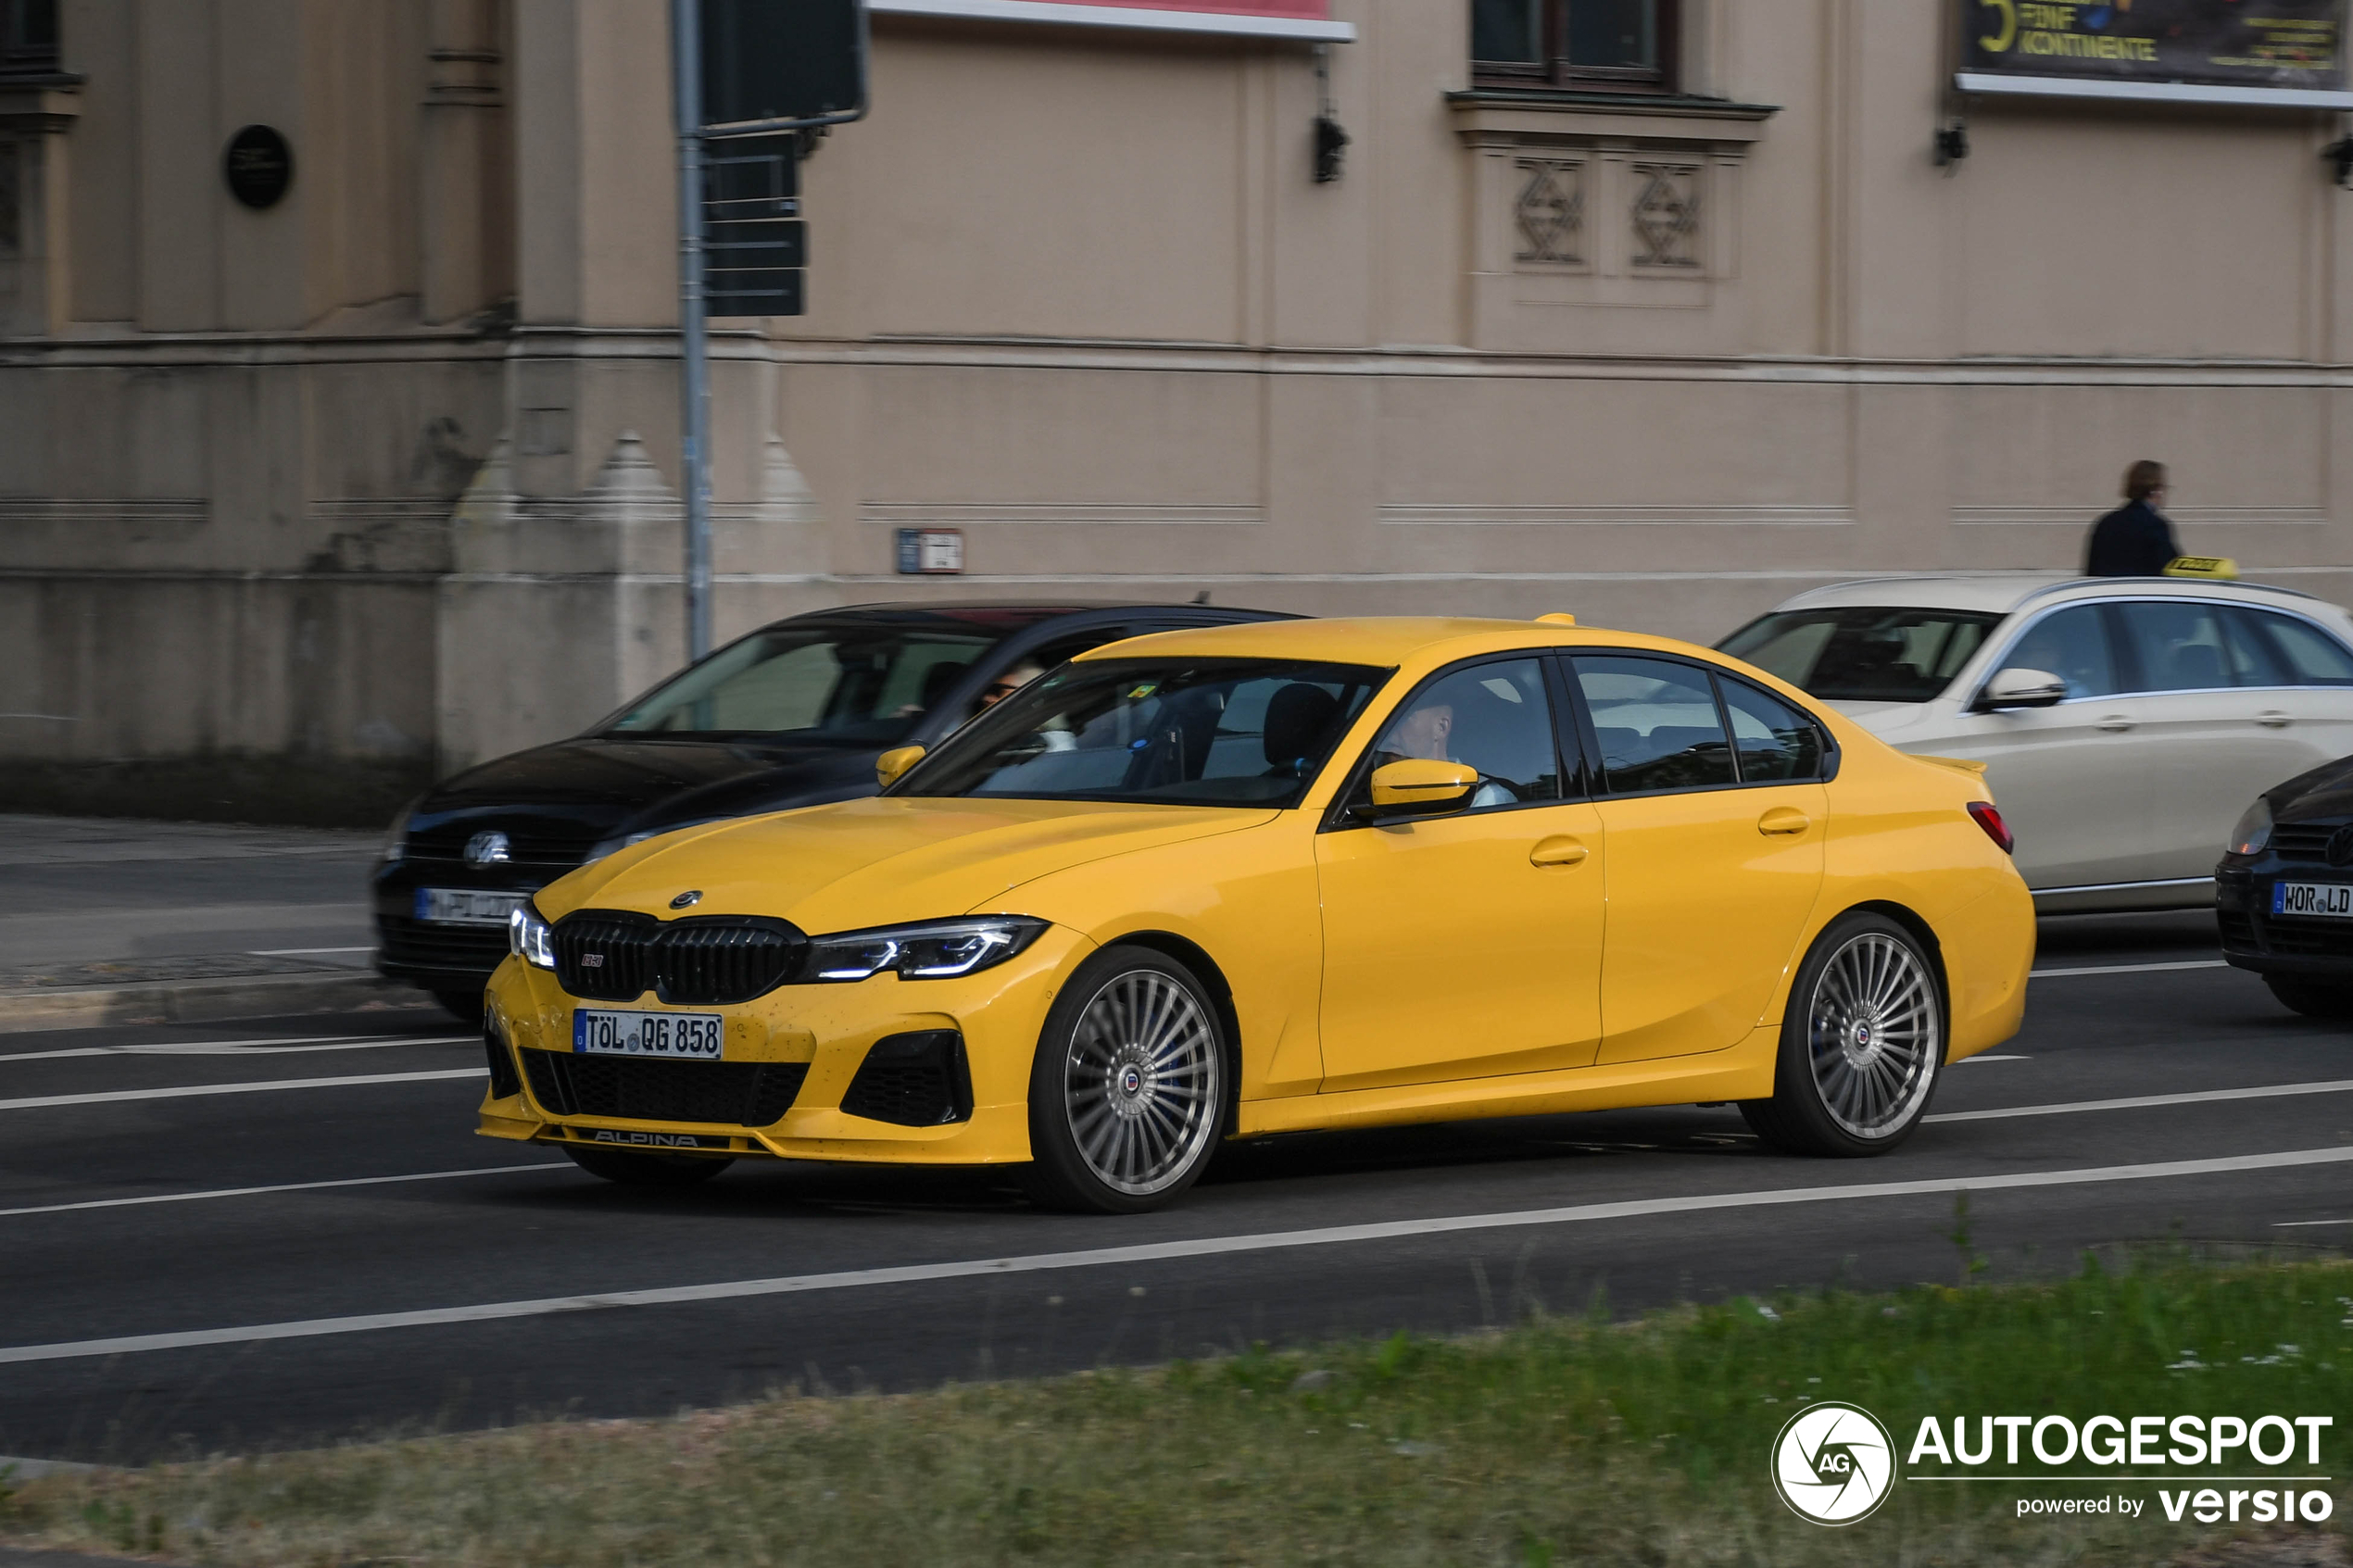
pixel 531 938
pixel 2254 830
pixel 397 836
pixel 932 950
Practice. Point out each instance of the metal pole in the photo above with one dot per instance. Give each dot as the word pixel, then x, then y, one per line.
pixel 694 349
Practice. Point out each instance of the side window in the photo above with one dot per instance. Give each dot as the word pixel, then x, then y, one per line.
pixel 2179 647
pixel 1772 740
pixel 2252 659
pixel 1036 662
pixel 2312 657
pixel 1496 718
pixel 1657 722
pixel 2073 645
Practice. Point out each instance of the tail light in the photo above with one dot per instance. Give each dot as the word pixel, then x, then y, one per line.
pixel 1991 821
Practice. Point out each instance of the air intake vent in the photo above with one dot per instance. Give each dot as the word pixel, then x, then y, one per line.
pixel 917 1080
pixel 615 956
pixel 739 1094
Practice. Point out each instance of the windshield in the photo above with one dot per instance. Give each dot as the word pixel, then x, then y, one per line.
pixel 1860 653
pixel 1198 731
pixel 844 684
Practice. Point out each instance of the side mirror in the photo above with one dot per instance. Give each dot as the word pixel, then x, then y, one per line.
pixel 893 764
pixel 2021 689
pixel 1417 787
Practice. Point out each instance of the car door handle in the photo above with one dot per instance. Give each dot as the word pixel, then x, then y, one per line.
pixel 1559 851
pixel 1783 820
pixel 2273 719
pixel 2117 723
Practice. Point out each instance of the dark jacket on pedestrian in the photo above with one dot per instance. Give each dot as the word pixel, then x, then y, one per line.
pixel 2134 540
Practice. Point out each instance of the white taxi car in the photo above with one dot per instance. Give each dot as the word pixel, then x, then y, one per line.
pixel 2124 722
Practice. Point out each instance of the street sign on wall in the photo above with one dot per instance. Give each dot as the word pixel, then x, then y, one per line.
pixel 770 61
pixel 2289 46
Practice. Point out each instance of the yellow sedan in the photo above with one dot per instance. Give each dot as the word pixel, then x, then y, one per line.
pixel 1245 880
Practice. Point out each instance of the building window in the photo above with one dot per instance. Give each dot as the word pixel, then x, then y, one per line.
pixel 1628 46
pixel 28 37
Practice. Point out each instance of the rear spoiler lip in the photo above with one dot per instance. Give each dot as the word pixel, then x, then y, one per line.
pixel 1958 764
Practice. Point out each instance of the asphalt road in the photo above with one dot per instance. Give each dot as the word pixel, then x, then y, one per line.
pixel 346 1184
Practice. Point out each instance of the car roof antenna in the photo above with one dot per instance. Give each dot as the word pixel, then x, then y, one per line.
pixel 1201 597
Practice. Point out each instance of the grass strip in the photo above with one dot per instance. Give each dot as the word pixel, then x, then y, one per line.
pixel 1557 1441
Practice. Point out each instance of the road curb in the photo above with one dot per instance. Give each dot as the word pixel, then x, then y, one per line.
pixel 198 1001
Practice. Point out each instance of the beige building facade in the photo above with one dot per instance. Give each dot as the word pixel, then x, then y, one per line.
pixel 383 477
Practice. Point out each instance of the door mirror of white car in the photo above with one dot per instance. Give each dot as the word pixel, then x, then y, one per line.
pixel 2019 687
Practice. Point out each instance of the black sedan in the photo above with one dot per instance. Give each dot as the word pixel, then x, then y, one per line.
pixel 2283 891
pixel 795 714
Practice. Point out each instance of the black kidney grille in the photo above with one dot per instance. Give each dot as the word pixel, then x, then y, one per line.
pixel 918 1080
pixel 605 956
pixel 739 1094
pixel 713 962
pixel 615 956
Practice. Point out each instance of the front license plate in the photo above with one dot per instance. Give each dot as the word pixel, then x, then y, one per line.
pixel 463 906
pixel 2332 899
pixel 692 1036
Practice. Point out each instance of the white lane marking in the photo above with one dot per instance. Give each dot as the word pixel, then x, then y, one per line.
pixel 284 1187
pixel 301 952
pixel 2298 1224
pixel 110 1096
pixel 2129 968
pixel 1970 1059
pixel 241 1047
pixel 1159 1251
pixel 2138 1102
pixel 244 1047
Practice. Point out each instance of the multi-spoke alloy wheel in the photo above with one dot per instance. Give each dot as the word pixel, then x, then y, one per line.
pixel 1861 1044
pixel 1872 1034
pixel 1129 1094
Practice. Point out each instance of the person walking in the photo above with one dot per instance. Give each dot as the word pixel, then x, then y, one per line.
pixel 2135 540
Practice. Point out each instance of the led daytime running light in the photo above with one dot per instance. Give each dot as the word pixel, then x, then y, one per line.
pixel 531 938
pixel 933 950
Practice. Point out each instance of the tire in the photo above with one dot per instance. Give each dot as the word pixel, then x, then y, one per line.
pixel 1130 1089
pixel 1862 1043
pixel 2311 998
pixel 463 1005
pixel 633 1170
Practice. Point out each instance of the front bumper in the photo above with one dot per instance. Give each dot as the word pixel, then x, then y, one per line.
pixel 441 957
pixel 812 1039
pixel 2255 939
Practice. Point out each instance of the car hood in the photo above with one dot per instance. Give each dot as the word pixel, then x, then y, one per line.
pixel 2323 794
pixel 879 861
pixel 618 782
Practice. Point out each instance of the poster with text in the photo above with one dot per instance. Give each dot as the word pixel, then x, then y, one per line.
pixel 2284 44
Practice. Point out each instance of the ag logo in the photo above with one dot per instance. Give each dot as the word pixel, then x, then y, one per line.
pixel 1833 1464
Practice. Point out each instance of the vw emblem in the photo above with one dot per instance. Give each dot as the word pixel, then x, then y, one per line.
pixel 686 898
pixel 488 849
pixel 2340 847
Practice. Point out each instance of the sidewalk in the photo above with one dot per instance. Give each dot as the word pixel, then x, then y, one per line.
pixel 112 921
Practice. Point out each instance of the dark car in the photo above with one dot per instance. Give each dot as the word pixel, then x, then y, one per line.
pixel 2284 891
pixel 795 714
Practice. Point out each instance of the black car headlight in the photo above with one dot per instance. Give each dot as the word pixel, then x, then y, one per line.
pixel 531 938
pixel 932 950
pixel 2254 830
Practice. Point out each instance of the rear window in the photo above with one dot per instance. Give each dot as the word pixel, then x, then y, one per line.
pixel 1864 653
